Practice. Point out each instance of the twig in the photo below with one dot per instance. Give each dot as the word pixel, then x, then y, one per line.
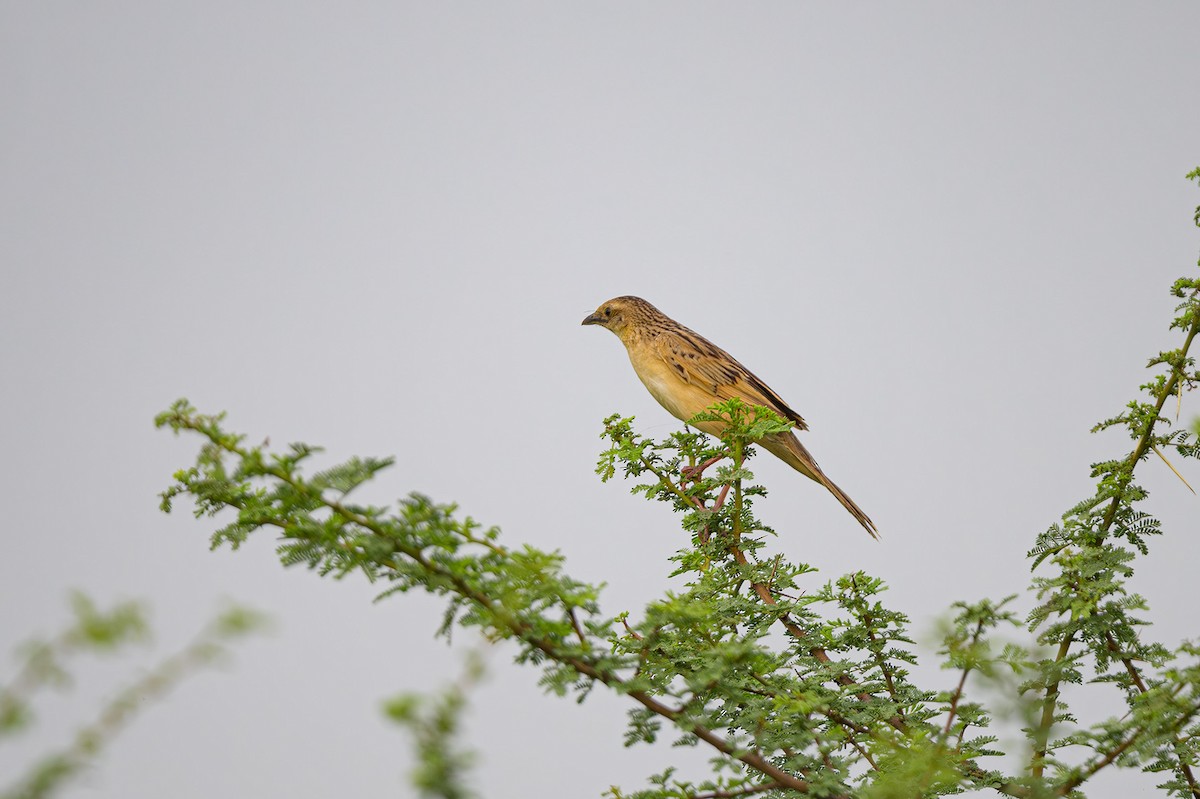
pixel 578 630
pixel 630 630
pixel 866 755
pixel 760 788
pixel 1146 439
pixel 878 657
pixel 1082 776
pixel 958 692
pixel 1038 761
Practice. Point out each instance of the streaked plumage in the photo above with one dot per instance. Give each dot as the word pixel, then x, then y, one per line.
pixel 686 373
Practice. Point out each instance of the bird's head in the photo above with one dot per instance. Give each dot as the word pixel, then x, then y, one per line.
pixel 622 314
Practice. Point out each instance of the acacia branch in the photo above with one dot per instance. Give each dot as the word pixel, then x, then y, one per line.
pixel 575 625
pixel 1146 440
pixel 1144 443
pixel 880 662
pixel 958 691
pixel 522 630
pixel 762 590
pixel 502 619
pixel 1079 777
pixel 1049 706
pixel 818 653
pixel 753 789
pixel 88 742
pixel 1136 677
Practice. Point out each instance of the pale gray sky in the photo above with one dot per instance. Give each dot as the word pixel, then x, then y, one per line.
pixel 942 231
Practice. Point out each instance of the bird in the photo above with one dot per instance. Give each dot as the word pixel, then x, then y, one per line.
pixel 687 373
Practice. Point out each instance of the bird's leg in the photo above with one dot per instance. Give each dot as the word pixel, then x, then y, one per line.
pixel 720 503
pixel 693 472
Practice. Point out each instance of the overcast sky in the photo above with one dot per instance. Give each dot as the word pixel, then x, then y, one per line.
pixel 943 232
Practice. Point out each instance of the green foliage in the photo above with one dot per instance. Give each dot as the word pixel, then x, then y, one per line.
pixel 797 686
pixel 433 722
pixel 43 663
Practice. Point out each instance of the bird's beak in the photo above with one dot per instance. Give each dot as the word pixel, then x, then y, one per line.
pixel 594 319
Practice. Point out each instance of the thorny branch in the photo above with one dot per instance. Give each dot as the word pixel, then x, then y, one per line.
pixel 1050 703
pixel 510 624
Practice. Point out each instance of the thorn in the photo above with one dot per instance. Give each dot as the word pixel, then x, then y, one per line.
pixel 1172 468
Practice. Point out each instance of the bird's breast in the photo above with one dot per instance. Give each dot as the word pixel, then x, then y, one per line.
pixel 681 399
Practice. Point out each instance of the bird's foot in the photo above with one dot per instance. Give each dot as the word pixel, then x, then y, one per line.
pixel 694 473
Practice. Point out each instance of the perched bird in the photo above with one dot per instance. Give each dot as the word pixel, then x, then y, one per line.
pixel 686 373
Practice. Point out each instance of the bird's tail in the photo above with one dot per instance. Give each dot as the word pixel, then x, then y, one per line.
pixel 788 448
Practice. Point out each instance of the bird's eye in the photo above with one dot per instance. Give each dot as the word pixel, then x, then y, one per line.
pixel 608 311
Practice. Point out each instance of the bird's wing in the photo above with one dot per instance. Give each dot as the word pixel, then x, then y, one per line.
pixel 699 362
